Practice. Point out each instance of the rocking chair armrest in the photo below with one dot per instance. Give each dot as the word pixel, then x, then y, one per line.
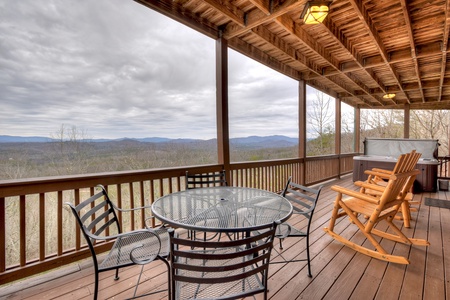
pixel 371 186
pixel 381 175
pixel 355 194
pixel 382 171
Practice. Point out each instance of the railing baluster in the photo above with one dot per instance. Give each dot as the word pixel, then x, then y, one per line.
pixel 60 222
pixel 130 185
pixel 2 235
pixel 42 227
pixel 22 223
pixel 77 231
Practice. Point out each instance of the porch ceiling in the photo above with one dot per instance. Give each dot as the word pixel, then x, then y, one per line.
pixel 363 50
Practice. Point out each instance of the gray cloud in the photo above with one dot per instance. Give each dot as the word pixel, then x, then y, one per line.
pixel 115 69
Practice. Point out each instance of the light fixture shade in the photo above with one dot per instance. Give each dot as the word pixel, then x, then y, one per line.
pixel 389 96
pixel 315 12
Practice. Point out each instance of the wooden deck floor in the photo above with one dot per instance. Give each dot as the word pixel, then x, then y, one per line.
pixel 338 272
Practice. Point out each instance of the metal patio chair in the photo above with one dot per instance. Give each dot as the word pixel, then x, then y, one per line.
pixel 97 219
pixel 304 201
pixel 220 270
pixel 194 181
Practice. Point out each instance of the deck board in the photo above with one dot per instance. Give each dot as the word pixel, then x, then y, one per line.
pixel 338 271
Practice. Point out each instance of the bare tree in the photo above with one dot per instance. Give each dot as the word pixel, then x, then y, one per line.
pixel 431 124
pixel 320 120
pixel 71 151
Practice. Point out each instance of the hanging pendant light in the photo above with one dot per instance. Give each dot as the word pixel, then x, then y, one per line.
pixel 315 12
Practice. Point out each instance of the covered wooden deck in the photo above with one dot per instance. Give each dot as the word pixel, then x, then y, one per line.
pixel 338 272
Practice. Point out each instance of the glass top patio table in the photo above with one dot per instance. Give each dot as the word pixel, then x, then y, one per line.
pixel 222 209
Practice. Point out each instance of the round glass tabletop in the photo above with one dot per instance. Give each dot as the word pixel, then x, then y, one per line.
pixel 222 209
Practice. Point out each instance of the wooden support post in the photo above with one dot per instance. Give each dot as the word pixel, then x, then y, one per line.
pixel 223 137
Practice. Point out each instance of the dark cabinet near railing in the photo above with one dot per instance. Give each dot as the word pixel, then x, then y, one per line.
pixel 383 154
pixel 426 181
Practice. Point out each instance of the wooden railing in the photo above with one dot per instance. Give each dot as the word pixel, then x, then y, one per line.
pixel 38 233
pixel 444 167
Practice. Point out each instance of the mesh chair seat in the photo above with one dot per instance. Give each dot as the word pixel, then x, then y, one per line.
pixel 142 246
pixel 233 288
pixel 285 229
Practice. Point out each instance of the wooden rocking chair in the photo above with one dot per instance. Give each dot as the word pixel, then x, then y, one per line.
pixel 377 208
pixel 380 177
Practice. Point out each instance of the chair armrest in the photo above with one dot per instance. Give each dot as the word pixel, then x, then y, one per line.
pixel 377 174
pixel 371 186
pixel 382 171
pixel 130 209
pixel 121 235
pixel 355 194
pixel 143 254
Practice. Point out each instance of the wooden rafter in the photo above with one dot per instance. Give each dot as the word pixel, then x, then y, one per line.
pixel 296 32
pixel 257 17
pixel 444 49
pixel 364 17
pixel 412 45
pixel 278 43
pixel 228 9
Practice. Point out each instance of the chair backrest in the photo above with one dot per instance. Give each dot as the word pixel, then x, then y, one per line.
pixel 228 269
pixel 303 198
pixel 401 179
pixel 96 217
pixel 194 181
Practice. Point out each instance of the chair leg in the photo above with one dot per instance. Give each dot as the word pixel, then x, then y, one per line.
pixel 96 286
pixel 117 274
pixel 139 280
pixel 308 257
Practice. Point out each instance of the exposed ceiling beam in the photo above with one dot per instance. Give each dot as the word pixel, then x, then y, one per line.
pixel 367 22
pixel 257 17
pixel 279 44
pixel 412 45
pixel 342 41
pixel 445 37
pixel 175 11
pixel 297 32
pixel 263 5
pixel 229 10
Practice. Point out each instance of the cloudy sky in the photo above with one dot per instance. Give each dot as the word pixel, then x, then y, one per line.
pixel 114 68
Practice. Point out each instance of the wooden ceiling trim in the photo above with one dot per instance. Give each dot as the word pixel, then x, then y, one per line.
pixel 257 17
pixel 412 45
pixel 445 37
pixel 367 22
pixel 229 10
pixel 178 13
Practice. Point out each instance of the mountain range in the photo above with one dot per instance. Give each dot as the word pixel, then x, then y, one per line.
pixel 250 141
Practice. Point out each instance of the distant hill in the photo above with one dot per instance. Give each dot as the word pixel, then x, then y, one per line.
pixel 248 142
